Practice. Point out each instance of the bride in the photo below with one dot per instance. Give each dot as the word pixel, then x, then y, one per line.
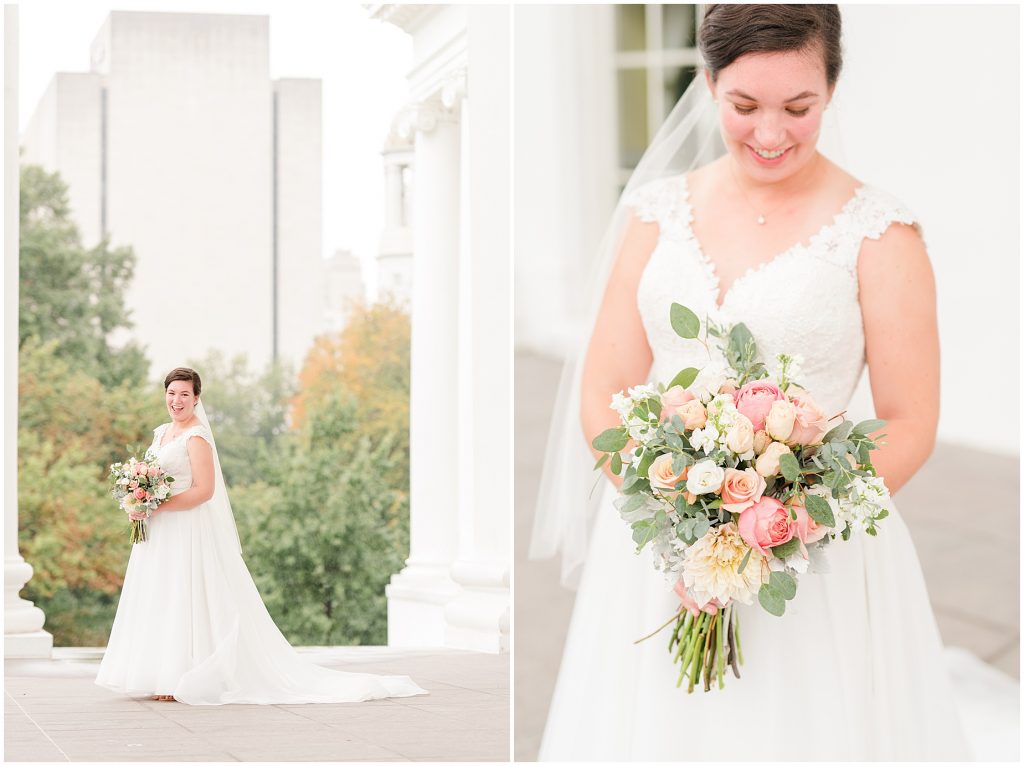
pixel 766 231
pixel 190 624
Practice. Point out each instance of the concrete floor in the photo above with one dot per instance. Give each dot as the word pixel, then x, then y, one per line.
pixel 54 712
pixel 947 547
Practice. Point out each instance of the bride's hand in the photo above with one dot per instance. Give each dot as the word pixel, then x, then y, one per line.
pixel 691 606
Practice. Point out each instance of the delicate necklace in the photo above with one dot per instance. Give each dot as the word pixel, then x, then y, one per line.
pixel 762 218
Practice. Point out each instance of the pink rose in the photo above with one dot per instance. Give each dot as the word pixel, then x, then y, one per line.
pixel 766 524
pixel 810 423
pixel 139 469
pixel 140 493
pixel 674 397
pixel 755 400
pixel 661 475
pixel 741 489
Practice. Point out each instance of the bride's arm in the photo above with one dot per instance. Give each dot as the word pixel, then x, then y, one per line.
pixel 897 298
pixel 618 355
pixel 200 455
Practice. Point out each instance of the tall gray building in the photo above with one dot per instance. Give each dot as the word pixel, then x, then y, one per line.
pixel 178 143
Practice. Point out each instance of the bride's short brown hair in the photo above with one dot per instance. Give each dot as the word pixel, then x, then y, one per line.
pixel 184 373
pixel 729 31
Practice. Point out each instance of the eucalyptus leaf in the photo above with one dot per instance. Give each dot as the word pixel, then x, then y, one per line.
pixel 783 583
pixel 744 560
pixel 645 463
pixel 601 461
pixel 839 433
pixel 789 466
pixel 772 602
pixel 819 510
pixel 616 463
pixel 644 532
pixel 701 526
pixel 684 322
pixel 865 427
pixel 787 548
pixel 685 377
pixel 611 440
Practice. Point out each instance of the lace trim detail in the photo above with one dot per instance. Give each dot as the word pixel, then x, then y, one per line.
pixel 660 201
pixel 872 213
pixel 199 431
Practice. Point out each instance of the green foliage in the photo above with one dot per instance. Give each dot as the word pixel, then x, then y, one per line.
pixel 69 293
pixel 332 530
pixel 684 322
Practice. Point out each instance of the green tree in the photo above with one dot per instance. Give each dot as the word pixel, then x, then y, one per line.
pixel 69 293
pixel 332 530
pixel 70 428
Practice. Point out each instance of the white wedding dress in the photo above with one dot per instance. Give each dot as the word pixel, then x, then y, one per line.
pixel 854 670
pixel 191 623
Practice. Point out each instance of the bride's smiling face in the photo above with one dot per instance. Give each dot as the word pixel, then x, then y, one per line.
pixel 180 400
pixel 770 107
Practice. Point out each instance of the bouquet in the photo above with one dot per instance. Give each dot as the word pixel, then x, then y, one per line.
pixel 140 486
pixel 737 480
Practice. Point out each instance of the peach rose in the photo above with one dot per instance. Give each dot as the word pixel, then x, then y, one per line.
pixel 809 530
pixel 779 423
pixel 132 484
pixel 755 400
pixel 729 387
pixel 740 438
pixel 693 414
pixel 140 493
pixel 741 489
pixel 673 398
pixel 768 463
pixel 766 524
pixel 810 422
pixel 661 475
pixel 139 469
pixel 761 442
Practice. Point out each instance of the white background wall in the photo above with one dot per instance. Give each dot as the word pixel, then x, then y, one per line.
pixel 928 105
pixel 929 102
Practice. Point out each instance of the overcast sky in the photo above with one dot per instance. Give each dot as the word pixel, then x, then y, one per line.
pixel 362 63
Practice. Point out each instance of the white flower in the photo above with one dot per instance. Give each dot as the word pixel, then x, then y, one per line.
pixel 623 405
pixel 705 477
pixel 711 565
pixel 710 379
pixel 788 367
pixel 867 499
pixel 705 439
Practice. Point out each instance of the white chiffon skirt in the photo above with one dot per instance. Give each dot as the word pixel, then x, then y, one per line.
pixel 190 623
pixel 853 671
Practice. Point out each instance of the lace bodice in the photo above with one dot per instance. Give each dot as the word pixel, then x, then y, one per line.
pixel 173 456
pixel 804 301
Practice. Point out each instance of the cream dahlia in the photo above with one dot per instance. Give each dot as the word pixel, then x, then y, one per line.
pixel 710 567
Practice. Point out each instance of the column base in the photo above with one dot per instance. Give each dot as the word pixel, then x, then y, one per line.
pixel 478 617
pixel 417 597
pixel 23 646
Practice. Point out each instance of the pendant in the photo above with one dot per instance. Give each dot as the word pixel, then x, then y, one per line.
pixel 760 220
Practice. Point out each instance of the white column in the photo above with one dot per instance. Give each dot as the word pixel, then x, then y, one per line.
pixel 478 618
pixel 418 594
pixel 23 622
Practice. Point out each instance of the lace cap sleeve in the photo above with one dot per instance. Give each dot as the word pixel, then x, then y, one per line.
pixel 201 432
pixel 656 201
pixel 878 210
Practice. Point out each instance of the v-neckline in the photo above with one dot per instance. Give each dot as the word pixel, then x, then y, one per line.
pixel 721 297
pixel 160 443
